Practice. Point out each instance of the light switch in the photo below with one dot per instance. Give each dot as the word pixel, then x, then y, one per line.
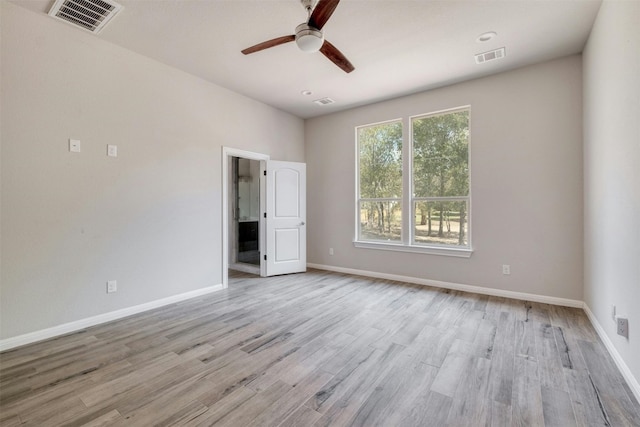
pixel 112 286
pixel 74 145
pixel 112 150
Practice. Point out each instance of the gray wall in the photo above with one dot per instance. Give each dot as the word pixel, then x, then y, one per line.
pixel 150 218
pixel 612 173
pixel 526 182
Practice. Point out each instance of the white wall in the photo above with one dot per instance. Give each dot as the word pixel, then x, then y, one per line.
pixel 150 218
pixel 526 182
pixel 612 173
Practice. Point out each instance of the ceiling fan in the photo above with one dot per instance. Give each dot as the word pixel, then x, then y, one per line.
pixel 309 37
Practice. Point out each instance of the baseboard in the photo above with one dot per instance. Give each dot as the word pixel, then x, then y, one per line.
pixel 77 325
pixel 455 286
pixel 617 358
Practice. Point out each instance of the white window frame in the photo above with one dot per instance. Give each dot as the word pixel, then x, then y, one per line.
pixel 407 200
pixel 381 199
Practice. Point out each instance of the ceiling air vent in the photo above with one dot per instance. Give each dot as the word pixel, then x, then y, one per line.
pixel 90 15
pixel 324 101
pixel 490 56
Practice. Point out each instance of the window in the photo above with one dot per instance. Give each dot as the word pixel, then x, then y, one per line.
pixel 380 178
pixel 440 175
pixel 430 212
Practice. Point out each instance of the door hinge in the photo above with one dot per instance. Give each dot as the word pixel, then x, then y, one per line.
pixel 265 257
pixel 265 173
pixel 265 214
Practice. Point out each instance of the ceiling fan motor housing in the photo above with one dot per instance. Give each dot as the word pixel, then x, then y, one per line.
pixel 308 38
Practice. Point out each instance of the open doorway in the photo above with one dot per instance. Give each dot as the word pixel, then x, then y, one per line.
pixel 244 231
pixel 239 177
pixel 271 239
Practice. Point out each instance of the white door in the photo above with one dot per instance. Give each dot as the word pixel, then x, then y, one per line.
pixel 286 216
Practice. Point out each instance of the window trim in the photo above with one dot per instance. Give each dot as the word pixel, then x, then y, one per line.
pixel 408 199
pixel 444 250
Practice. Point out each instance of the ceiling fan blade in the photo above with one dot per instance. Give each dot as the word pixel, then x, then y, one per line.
pixel 322 12
pixel 268 44
pixel 335 56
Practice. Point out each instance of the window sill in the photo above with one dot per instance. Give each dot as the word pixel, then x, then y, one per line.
pixel 431 250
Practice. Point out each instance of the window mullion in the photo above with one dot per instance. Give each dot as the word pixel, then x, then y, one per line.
pixel 407 152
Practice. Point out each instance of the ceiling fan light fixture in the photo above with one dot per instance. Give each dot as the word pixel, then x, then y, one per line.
pixel 308 38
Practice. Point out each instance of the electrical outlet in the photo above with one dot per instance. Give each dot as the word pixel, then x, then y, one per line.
pixel 112 150
pixel 506 269
pixel 74 145
pixel 112 286
pixel 330 251
pixel 623 326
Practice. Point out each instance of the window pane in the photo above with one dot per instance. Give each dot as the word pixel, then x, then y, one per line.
pixel 440 223
pixel 441 155
pixel 381 221
pixel 380 160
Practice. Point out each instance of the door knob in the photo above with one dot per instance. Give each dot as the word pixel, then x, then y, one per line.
pixel 301 223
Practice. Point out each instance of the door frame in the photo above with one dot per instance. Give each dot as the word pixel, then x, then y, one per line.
pixel 227 153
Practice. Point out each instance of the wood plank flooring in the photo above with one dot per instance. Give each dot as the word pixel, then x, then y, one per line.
pixel 323 349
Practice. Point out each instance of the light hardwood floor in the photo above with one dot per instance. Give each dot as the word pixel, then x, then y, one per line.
pixel 323 349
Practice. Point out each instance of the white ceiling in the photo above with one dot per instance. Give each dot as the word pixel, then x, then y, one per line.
pixel 398 47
